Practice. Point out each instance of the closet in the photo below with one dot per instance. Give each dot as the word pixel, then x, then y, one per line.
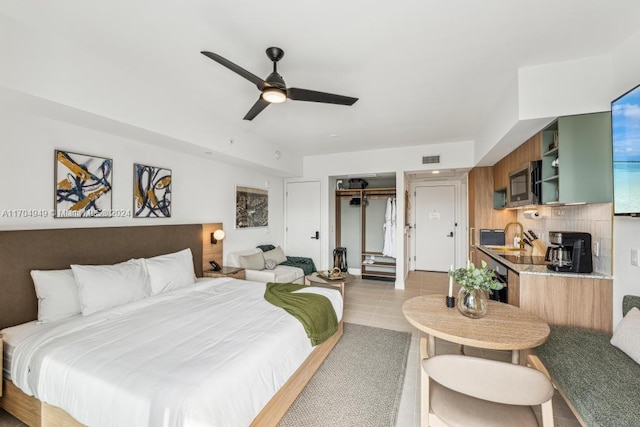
pixel 361 215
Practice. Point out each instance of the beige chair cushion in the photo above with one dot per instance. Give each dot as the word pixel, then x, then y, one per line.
pixel 459 410
pixel 485 379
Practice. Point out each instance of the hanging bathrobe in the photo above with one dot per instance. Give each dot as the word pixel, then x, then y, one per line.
pixel 389 245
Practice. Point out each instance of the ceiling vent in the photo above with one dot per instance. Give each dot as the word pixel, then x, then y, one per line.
pixel 430 159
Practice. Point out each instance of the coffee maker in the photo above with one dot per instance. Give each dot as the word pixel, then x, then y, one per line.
pixel 571 252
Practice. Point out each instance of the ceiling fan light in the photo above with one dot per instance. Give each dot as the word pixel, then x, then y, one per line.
pixel 274 95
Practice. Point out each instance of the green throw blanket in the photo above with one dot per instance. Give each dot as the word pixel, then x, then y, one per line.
pixel 306 264
pixel 314 311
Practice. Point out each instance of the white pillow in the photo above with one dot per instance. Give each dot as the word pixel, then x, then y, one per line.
pixel 627 334
pixel 253 261
pixel 276 254
pixel 105 286
pixel 57 294
pixel 171 271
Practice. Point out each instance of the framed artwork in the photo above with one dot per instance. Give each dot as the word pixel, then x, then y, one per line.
pixel 151 192
pixel 252 207
pixel 83 185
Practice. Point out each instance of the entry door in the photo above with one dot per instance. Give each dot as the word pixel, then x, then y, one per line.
pixel 435 227
pixel 302 230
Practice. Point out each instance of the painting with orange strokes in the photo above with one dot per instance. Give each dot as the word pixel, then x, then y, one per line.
pixel 83 185
pixel 151 192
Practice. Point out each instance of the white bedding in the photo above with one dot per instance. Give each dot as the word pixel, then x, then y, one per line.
pixel 211 354
pixel 14 335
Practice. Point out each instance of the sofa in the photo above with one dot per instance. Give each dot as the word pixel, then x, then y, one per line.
pixel 599 381
pixel 258 267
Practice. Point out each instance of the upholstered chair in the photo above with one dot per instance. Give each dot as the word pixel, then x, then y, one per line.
pixel 472 392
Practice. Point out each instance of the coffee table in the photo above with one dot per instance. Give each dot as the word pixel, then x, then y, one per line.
pixel 505 327
pixel 314 279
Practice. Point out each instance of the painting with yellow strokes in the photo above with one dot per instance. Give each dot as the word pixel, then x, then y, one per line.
pixel 151 192
pixel 83 185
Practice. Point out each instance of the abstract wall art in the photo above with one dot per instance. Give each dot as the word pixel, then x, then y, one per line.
pixel 151 192
pixel 252 207
pixel 83 185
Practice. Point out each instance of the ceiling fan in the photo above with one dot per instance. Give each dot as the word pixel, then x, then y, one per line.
pixel 273 89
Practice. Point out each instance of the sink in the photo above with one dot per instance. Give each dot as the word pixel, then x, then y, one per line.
pixel 502 248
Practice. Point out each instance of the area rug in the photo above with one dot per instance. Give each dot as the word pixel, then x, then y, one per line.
pixel 359 383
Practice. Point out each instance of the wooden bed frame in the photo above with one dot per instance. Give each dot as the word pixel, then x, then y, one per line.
pixel 28 250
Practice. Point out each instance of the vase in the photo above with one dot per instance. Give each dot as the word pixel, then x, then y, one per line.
pixel 472 302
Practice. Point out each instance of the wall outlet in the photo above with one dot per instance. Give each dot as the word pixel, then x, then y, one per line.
pixel 634 257
pixel 596 249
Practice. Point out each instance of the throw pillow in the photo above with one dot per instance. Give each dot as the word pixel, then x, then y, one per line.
pixel 170 271
pixel 253 261
pixel 105 286
pixel 57 294
pixel 276 254
pixel 627 335
pixel 270 264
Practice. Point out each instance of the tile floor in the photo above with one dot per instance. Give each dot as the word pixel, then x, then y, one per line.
pixel 378 303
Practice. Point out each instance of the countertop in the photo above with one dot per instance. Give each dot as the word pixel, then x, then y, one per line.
pixel 535 269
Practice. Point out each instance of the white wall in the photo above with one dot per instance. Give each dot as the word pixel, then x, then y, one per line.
pixel 454 155
pixel 626 231
pixel 203 190
pixel 70 72
pixel 458 155
pixel 565 88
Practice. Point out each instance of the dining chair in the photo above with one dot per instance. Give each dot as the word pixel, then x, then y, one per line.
pixel 468 391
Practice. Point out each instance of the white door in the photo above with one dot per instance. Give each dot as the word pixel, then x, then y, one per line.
pixel 435 227
pixel 302 228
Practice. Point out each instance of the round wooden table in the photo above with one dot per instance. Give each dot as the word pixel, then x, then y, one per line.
pixel 505 327
pixel 314 279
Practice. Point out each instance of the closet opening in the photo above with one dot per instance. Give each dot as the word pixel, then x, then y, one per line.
pixel 366 223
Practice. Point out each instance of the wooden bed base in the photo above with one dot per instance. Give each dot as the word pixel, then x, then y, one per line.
pixel 35 413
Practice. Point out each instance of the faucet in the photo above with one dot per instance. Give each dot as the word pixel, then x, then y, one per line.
pixel 520 235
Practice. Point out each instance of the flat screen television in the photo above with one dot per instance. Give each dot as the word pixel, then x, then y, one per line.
pixel 625 128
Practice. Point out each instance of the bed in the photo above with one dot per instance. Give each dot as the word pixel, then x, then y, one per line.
pixel 229 370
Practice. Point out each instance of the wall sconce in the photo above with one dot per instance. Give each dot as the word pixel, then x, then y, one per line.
pixel 217 235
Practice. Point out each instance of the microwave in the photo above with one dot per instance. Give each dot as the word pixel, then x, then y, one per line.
pixel 525 185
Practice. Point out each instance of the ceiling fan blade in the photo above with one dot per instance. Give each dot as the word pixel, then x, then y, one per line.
pixel 260 105
pixel 314 96
pixel 261 84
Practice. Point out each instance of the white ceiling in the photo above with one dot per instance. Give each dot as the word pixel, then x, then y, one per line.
pixel 425 71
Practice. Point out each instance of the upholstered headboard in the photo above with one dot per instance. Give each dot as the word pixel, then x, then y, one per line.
pixel 50 249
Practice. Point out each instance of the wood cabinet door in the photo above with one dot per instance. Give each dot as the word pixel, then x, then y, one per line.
pixel 513 288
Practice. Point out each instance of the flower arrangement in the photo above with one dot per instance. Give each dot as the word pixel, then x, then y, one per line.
pixel 476 278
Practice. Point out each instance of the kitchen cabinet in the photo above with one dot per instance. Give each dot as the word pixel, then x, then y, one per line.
pixel 582 300
pixel 481 211
pixel 524 154
pixel 513 287
pixel 569 300
pixel 576 160
pixel 480 256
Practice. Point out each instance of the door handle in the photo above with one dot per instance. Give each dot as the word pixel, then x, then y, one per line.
pixel 317 236
pixel 450 234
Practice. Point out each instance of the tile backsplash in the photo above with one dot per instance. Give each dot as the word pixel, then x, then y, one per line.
pixel 596 219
